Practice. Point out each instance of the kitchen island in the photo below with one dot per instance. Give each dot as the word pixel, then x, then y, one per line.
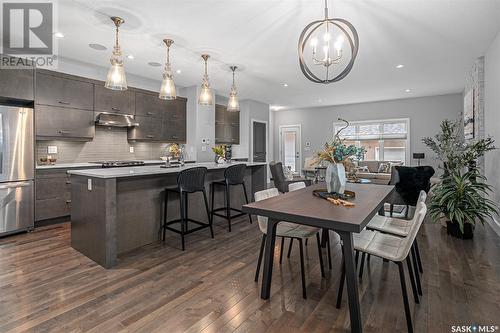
pixel 117 210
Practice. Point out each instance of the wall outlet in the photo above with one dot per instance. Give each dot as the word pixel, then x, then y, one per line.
pixel 89 184
pixel 131 149
pixel 203 148
pixel 51 149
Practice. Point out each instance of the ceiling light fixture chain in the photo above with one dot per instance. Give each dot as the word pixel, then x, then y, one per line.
pixel 328 61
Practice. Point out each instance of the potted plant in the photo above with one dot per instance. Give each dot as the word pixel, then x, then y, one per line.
pixel 220 153
pixel 461 196
pixel 335 154
pixel 462 199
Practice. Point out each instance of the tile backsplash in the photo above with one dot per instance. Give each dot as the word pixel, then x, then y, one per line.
pixel 110 143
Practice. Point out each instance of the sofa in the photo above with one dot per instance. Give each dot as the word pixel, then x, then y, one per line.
pixel 378 172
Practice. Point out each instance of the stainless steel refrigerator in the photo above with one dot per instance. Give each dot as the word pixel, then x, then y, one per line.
pixel 17 169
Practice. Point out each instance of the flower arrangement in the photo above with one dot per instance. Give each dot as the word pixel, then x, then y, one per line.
pixel 220 152
pixel 174 150
pixel 337 151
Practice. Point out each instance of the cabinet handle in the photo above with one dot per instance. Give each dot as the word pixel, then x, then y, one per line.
pixel 115 109
pixel 150 136
pixel 174 116
pixel 175 137
pixel 64 103
pixel 64 132
pixel 68 201
pixel 150 113
pixel 68 182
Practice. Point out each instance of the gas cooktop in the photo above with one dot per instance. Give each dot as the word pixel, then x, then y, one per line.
pixel 117 164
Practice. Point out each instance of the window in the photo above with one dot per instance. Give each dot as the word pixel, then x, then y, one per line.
pixel 384 140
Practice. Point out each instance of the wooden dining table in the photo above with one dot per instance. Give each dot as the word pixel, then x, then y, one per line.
pixel 302 207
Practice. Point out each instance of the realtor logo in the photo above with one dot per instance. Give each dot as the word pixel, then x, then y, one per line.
pixel 27 34
pixel 27 28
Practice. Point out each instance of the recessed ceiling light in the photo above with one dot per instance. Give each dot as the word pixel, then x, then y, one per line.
pixel 130 56
pixel 58 35
pixel 97 47
pixel 285 85
pixel 407 90
pixel 154 64
pixel 178 71
pixel 400 66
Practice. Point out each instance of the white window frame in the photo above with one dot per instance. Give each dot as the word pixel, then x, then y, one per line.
pixel 381 122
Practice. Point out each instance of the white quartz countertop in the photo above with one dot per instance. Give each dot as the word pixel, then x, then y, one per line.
pixel 84 165
pixel 149 170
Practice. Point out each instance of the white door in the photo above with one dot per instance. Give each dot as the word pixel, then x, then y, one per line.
pixel 290 150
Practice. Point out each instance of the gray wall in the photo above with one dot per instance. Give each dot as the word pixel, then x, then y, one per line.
pixel 425 115
pixel 110 143
pixel 492 117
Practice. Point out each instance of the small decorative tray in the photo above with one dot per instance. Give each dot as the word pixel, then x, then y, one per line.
pixel 323 193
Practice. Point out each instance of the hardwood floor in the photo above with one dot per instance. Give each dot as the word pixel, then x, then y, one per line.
pixel 46 286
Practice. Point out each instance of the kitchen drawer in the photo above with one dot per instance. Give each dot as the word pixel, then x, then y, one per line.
pixel 60 91
pixel 52 208
pixel 56 122
pixel 149 129
pixel 149 105
pixel 113 101
pixel 51 188
pixel 175 131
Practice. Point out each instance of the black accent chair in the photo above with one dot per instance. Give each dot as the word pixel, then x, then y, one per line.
pixel 279 177
pixel 233 176
pixel 409 181
pixel 188 181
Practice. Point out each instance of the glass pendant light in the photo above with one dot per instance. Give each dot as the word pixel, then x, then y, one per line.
pixel 206 97
pixel 116 80
pixel 233 105
pixel 167 89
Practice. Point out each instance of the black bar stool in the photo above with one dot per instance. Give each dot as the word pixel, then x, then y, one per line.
pixel 233 175
pixel 188 181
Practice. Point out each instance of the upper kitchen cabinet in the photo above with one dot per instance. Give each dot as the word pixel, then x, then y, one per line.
pixel 227 126
pixel 63 123
pixel 17 84
pixel 64 91
pixel 149 105
pixel 106 100
pixel 149 129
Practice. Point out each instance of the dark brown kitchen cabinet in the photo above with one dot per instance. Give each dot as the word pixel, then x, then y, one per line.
pixel 175 130
pixel 53 194
pixel 65 92
pixel 17 84
pixel 56 122
pixel 149 129
pixel 149 105
pixel 113 101
pixel 227 126
pixel 176 110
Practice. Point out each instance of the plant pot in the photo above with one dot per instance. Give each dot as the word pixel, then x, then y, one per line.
pixel 218 159
pixel 335 178
pixel 454 230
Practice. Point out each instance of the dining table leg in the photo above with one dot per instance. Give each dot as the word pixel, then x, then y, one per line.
pixel 268 258
pixel 352 282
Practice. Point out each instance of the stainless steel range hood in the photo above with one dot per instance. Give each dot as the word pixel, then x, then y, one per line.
pixel 117 120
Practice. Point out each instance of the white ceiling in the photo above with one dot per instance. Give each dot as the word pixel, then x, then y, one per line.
pixel 436 40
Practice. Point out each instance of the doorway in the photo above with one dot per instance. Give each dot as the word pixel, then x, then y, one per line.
pixel 290 147
pixel 259 141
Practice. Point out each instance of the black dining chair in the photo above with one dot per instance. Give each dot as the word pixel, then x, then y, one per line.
pixel 279 177
pixel 188 181
pixel 233 176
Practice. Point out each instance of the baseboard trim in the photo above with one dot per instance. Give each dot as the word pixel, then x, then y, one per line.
pixel 496 226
